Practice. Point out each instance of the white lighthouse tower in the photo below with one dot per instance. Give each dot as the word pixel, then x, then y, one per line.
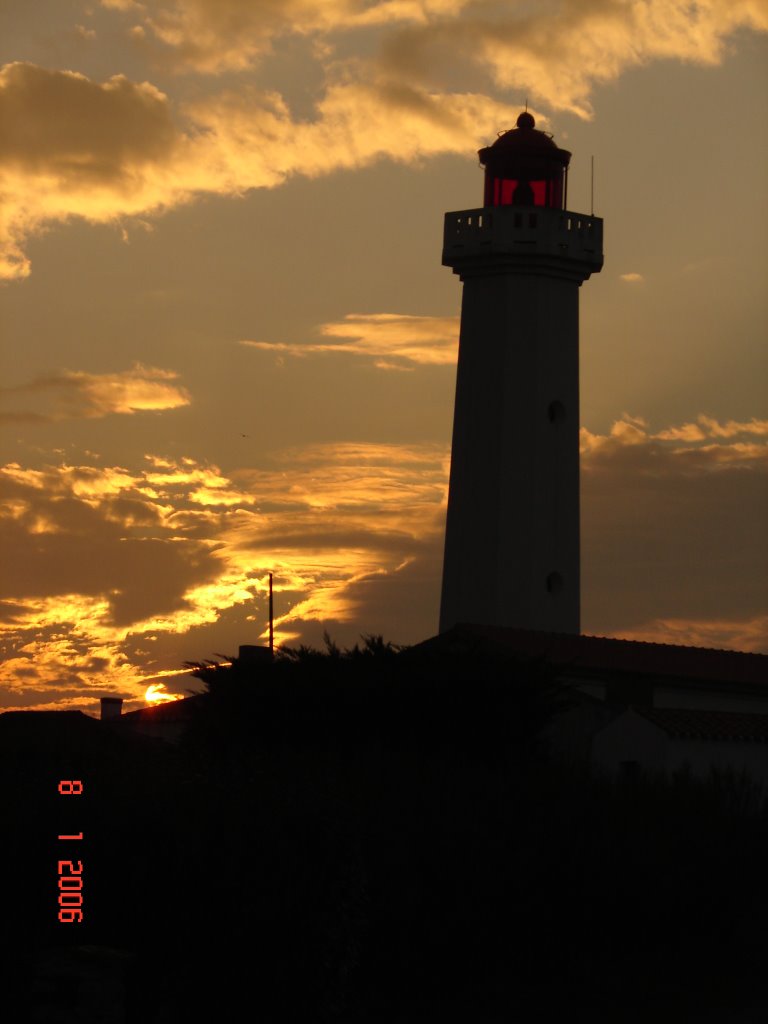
pixel 512 532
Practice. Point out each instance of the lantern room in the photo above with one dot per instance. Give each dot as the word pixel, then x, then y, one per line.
pixel 524 167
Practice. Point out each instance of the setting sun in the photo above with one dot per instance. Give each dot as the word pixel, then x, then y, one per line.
pixel 157 694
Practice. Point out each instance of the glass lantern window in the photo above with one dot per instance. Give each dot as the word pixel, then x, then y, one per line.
pixel 522 192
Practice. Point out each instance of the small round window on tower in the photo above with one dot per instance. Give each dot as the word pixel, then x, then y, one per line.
pixel 554 583
pixel 556 412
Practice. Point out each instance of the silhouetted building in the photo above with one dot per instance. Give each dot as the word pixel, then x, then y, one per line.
pixel 512 531
pixel 111 707
pixel 639 707
pixel 166 721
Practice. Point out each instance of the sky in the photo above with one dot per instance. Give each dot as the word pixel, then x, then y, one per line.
pixel 229 345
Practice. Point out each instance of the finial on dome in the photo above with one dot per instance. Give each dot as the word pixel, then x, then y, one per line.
pixel 525 120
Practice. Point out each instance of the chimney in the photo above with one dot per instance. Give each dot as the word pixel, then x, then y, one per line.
pixel 111 707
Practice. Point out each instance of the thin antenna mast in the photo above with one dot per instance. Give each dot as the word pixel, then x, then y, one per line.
pixel 592 191
pixel 271 618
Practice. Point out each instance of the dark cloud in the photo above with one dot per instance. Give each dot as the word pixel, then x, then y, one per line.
pixel 673 531
pixel 403 605
pixel 90 556
pixel 63 124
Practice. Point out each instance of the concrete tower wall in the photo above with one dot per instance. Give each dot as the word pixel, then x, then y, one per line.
pixel 513 512
pixel 512 531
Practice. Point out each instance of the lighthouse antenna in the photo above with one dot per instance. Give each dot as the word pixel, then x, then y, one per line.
pixel 592 190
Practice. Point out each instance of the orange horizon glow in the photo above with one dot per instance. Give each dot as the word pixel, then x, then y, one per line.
pixel 351 515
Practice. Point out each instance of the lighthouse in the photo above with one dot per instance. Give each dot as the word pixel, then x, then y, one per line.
pixel 512 528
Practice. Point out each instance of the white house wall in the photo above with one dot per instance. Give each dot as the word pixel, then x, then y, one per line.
pixel 629 738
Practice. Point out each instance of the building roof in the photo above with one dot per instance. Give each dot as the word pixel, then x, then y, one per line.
pixel 525 136
pixel 707 725
pixel 62 732
pixel 606 655
pixel 24 724
pixel 166 712
pixel 524 142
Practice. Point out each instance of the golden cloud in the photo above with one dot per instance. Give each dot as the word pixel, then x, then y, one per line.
pixel 211 36
pixel 706 426
pixel 733 428
pixel 80 395
pixel 73 147
pixel 349 477
pixel 113 575
pixel 742 635
pixel 249 138
pixel 623 432
pixel 632 431
pixel 175 561
pixel 558 52
pixel 685 432
pixel 109 151
pixel 412 340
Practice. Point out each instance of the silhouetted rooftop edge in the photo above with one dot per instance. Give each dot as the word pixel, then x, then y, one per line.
pixel 605 653
pixel 697 723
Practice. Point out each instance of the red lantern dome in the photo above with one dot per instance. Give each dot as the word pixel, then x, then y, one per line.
pixel 524 167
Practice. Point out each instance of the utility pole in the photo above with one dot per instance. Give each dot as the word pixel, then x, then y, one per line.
pixel 271 619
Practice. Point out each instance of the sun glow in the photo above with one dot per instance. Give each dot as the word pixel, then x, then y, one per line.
pixel 157 694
